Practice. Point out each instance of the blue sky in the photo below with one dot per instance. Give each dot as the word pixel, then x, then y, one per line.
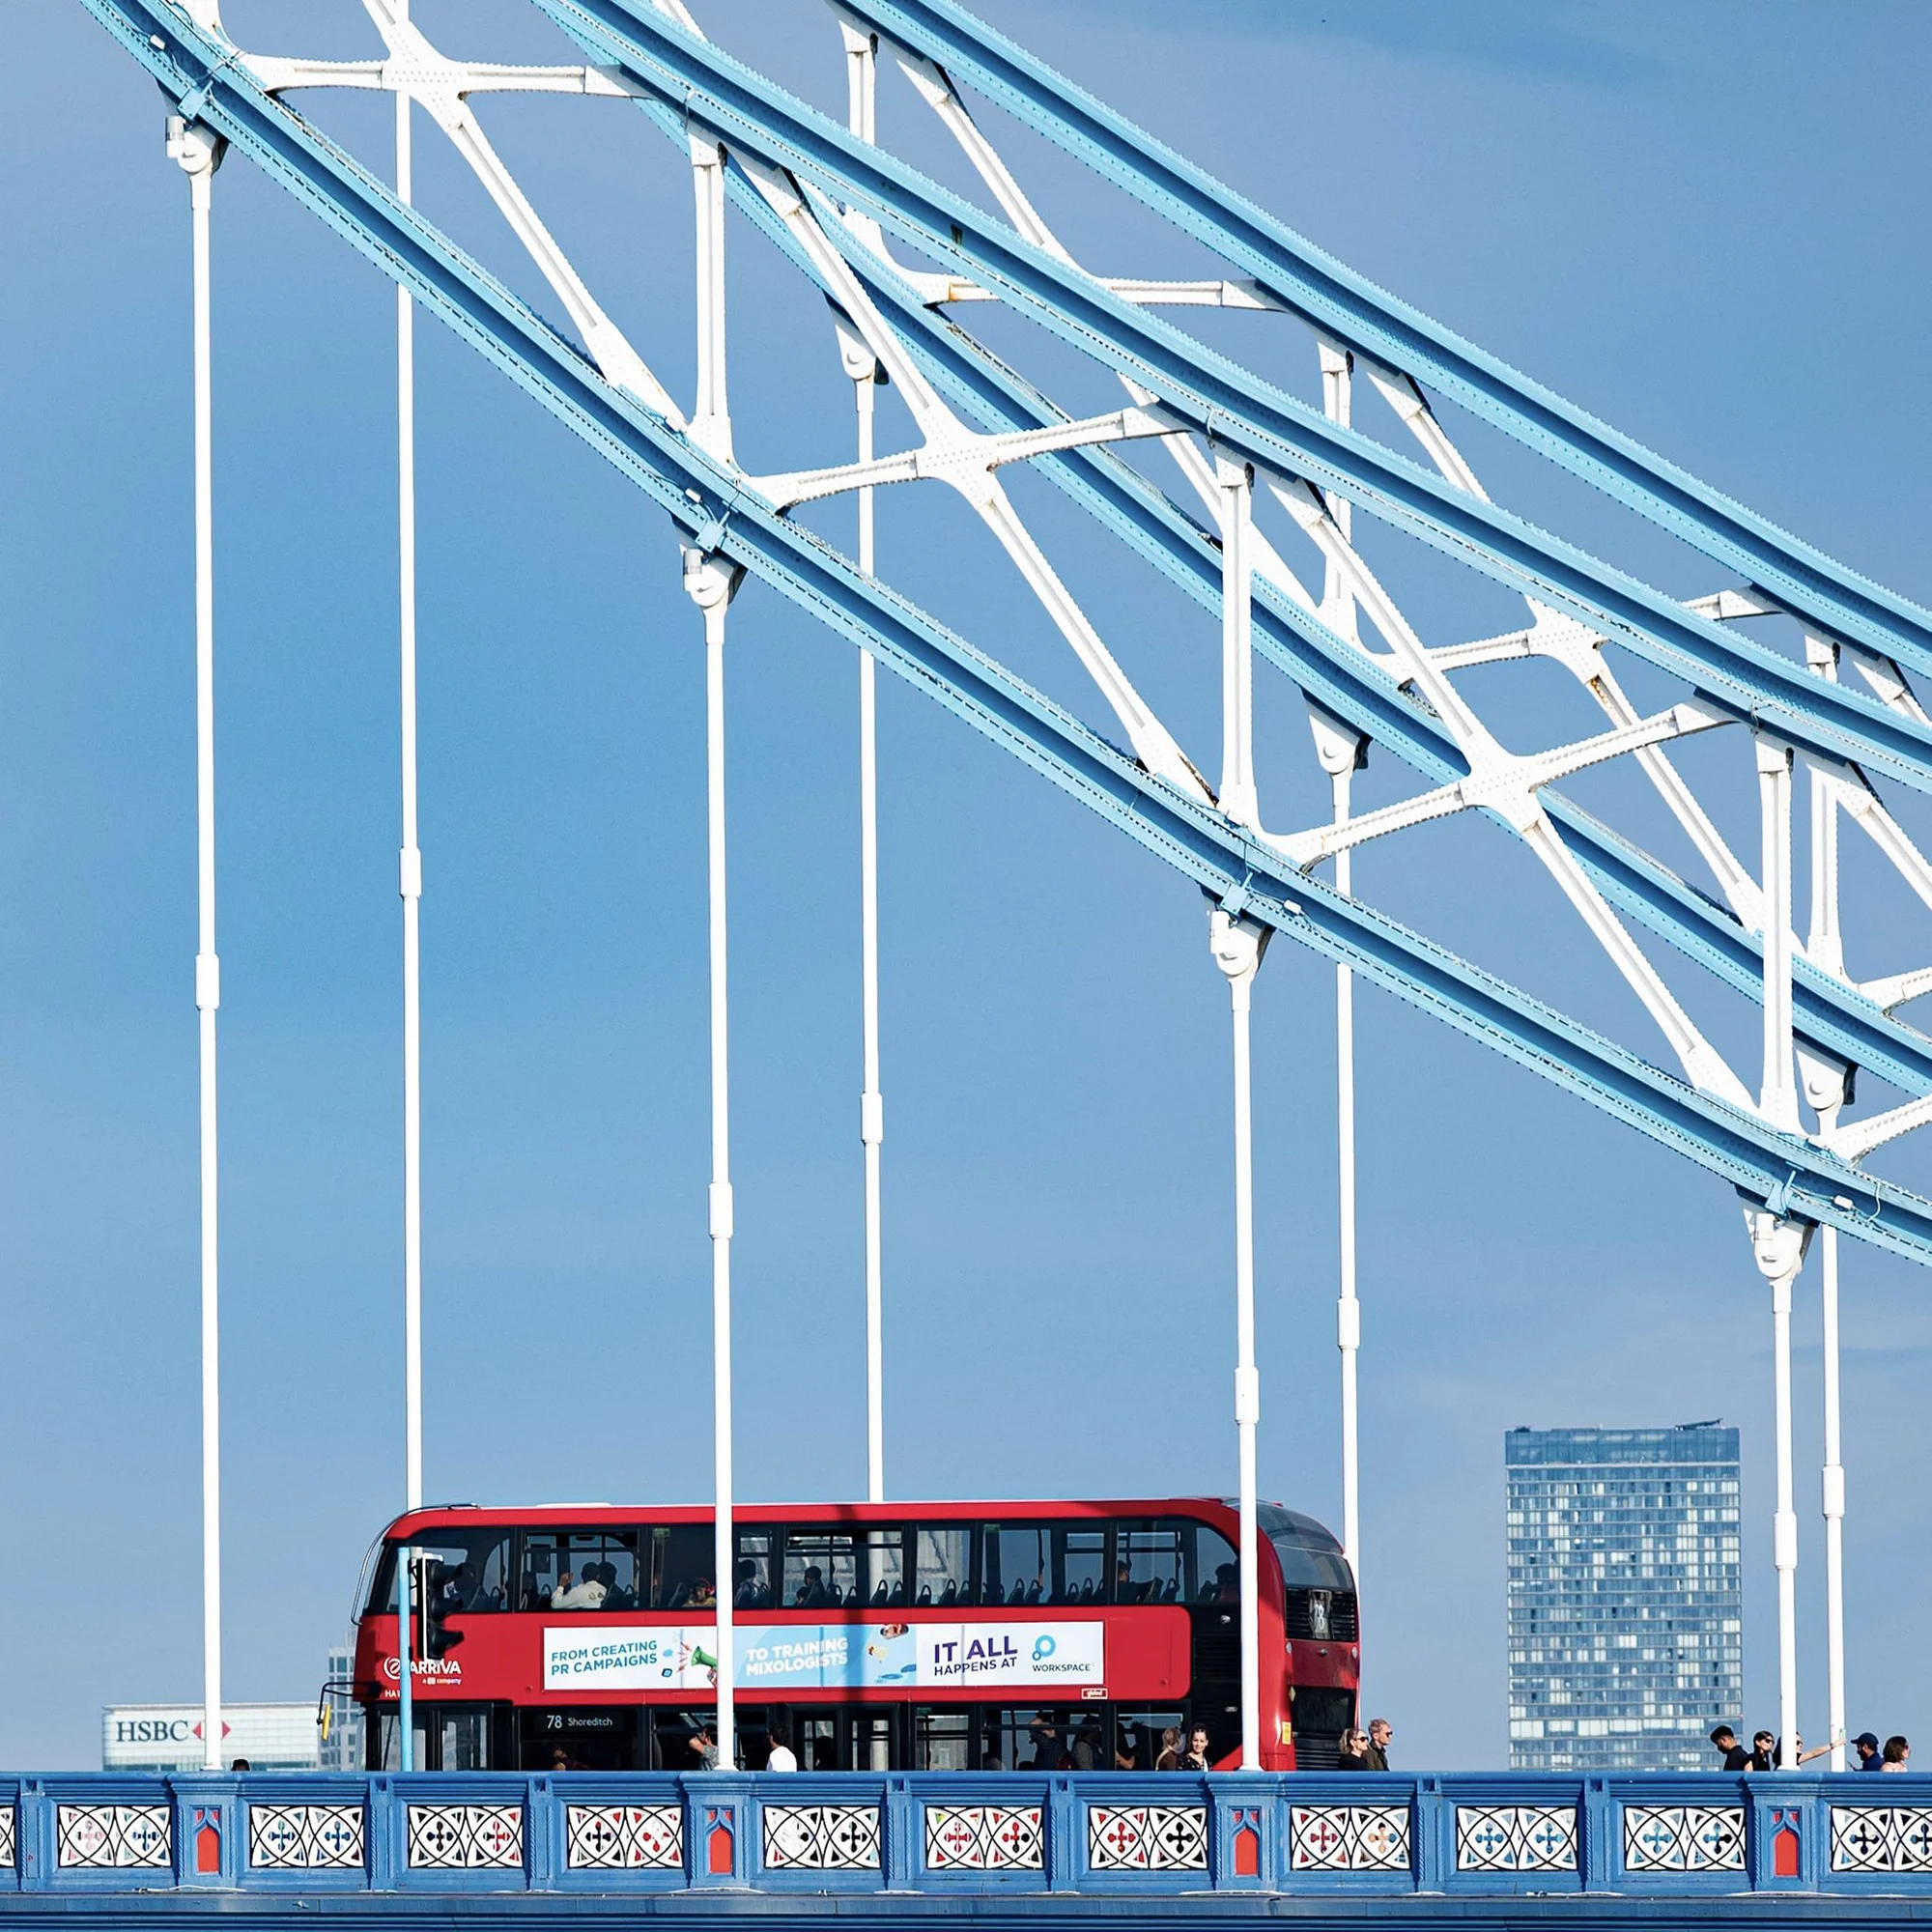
pixel 1696 222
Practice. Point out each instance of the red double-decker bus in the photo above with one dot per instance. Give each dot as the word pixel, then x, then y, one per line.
pixel 931 1636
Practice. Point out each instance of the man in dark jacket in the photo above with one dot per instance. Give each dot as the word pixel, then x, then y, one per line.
pixel 1736 1757
pixel 1870 1757
pixel 1380 1737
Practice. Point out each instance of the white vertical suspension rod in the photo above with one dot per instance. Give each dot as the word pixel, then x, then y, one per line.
pixel 1338 599
pixel 1778 1102
pixel 1341 752
pixel 1779 1098
pixel 199 153
pixel 862 78
pixel 1237 795
pixel 1833 1487
pixel 711 418
pixel 871 1100
pixel 409 861
pixel 1779 1247
pixel 1237 945
pixel 1784 1528
pixel 1828 1087
pixel 1347 1308
pixel 711 582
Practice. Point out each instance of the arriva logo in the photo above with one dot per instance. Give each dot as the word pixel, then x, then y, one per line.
pixel 448 1668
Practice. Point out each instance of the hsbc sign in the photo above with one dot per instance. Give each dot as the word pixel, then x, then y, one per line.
pixel 155 1730
pixel 168 1737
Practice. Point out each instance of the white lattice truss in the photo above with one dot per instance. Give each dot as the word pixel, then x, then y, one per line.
pixel 1442 732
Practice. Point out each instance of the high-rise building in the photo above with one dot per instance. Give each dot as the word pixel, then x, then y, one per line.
pixel 1625 1601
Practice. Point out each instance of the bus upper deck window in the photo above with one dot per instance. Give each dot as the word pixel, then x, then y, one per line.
pixel 943 1566
pixel 1017 1559
pixel 1216 1576
pixel 821 1569
pixel 1080 1562
pixel 884 1583
pixel 751 1582
pixel 686 1566
pixel 459 1573
pixel 1149 1563
pixel 579 1570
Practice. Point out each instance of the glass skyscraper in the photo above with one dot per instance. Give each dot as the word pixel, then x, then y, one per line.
pixel 1626 1603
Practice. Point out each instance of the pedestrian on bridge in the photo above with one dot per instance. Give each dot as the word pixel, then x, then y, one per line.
pixel 1897 1755
pixel 1381 1737
pixel 1736 1757
pixel 1871 1756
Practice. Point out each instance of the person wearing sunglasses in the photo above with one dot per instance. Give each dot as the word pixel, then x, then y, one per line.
pixel 1355 1751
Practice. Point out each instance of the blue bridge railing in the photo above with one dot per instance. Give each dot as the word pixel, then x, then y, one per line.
pixel 938 1834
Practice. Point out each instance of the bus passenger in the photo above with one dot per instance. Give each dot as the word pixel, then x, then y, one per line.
pixel 1045 1735
pixel 750 1595
pixel 587 1594
pixel 811 1595
pixel 1127 1748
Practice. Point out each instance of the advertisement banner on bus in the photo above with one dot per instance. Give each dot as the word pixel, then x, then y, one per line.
pixel 798 1656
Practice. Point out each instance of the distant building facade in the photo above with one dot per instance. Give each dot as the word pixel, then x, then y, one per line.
pixel 272 1737
pixel 1625 1597
pixel 167 1737
pixel 342 1748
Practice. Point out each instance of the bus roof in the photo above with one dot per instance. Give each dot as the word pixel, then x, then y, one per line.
pixel 1211 1509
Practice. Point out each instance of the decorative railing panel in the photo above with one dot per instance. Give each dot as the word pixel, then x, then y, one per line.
pixel 821 1837
pixel 305 1837
pixel 1146 1837
pixel 117 1838
pixel 1516 1837
pixel 1315 1832
pixel 1881 1838
pixel 985 1838
pixel 1684 1838
pixel 1348 1837
pixel 624 1838
pixel 465 1838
